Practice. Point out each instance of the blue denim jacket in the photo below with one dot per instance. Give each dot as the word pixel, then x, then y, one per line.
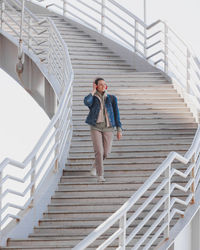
pixel 93 104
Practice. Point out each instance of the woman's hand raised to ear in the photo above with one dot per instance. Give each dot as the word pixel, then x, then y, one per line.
pixel 94 88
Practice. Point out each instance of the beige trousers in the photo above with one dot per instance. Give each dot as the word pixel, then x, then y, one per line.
pixel 102 143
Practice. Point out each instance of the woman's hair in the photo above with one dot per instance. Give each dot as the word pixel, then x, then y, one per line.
pixel 98 79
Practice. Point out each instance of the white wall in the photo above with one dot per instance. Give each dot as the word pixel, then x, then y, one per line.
pixel 189 238
pixel 183 241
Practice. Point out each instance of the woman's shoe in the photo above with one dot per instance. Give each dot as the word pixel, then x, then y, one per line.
pixel 93 171
pixel 101 179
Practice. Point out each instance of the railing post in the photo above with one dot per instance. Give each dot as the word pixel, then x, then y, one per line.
pixel 167 202
pixel 188 71
pixel 136 35
pixel 33 166
pixel 49 50
pixel 57 140
pixel 103 2
pixel 122 237
pixel 29 32
pixel 64 7
pixel 192 176
pixel 2 13
pixel 166 48
pixel 145 42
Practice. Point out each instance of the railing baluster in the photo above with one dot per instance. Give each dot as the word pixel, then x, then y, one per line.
pixel 33 166
pixel 188 71
pixel 30 33
pixel 64 7
pixel 2 13
pixel 57 140
pixel 192 175
pixel 122 237
pixel 166 48
pixel 49 57
pixel 167 203
pixel 145 42
pixel 103 3
pixel 136 35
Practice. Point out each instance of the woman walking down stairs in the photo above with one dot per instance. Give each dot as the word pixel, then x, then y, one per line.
pixel 155 121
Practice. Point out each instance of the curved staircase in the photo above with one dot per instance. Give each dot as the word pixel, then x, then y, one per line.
pixel 155 122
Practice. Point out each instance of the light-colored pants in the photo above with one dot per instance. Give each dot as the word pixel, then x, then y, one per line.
pixel 102 143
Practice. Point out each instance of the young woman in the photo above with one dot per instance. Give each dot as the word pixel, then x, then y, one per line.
pixel 103 117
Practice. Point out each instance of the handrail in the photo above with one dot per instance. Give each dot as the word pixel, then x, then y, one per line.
pixel 48 151
pixel 175 58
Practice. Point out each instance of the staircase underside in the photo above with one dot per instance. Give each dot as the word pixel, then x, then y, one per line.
pixel 155 121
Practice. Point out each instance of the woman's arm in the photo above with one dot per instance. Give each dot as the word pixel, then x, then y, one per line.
pixel 88 100
pixel 117 118
pixel 116 114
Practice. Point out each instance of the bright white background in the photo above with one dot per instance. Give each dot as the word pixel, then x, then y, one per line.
pixel 23 121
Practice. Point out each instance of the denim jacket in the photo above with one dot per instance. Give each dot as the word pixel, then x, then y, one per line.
pixel 93 104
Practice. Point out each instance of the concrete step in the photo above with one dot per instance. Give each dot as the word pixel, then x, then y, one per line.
pixel 136 99
pixel 81 231
pixel 140 126
pixel 134 137
pixel 124 109
pixel 146 114
pixel 78 94
pixel 112 177
pixel 101 66
pixel 114 170
pixel 124 77
pixel 80 119
pixel 120 160
pixel 101 71
pixel 95 58
pixel 58 243
pixel 89 52
pixel 174 131
pixel 131 85
pixel 126 150
pixel 126 142
pixel 126 122
pixel 103 61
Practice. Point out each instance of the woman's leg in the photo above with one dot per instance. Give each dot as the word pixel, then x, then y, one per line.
pixel 98 150
pixel 107 143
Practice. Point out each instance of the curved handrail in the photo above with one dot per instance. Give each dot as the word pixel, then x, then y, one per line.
pixel 48 151
pixel 160 45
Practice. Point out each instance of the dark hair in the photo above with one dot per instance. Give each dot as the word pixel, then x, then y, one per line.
pixel 98 79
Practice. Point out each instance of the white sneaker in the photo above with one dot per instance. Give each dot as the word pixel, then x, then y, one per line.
pixel 93 172
pixel 101 179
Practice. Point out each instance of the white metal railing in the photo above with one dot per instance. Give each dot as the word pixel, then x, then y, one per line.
pixel 161 46
pixel 18 192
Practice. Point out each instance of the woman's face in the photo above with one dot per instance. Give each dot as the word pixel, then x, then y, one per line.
pixel 101 87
